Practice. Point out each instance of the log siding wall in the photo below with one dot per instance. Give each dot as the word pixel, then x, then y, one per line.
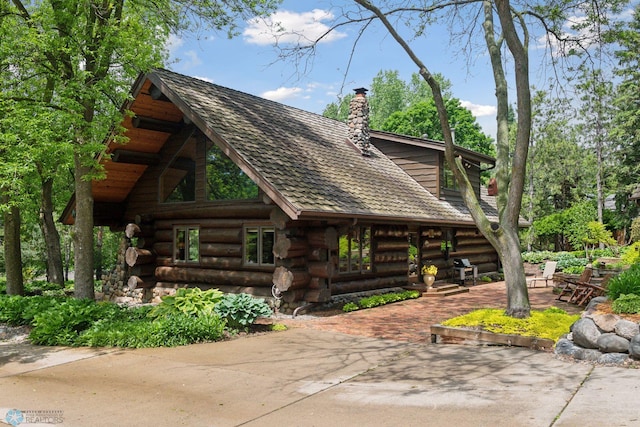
pixel 305 252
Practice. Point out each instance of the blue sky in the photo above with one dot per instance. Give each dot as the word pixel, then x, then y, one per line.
pixel 250 63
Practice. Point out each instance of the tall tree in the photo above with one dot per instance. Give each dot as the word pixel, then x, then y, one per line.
pixel 627 120
pixel 92 50
pixel 506 33
pixel 421 119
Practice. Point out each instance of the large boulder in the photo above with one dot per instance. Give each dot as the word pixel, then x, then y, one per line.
pixel 612 343
pixel 594 303
pixel 585 333
pixel 627 329
pixel 606 322
pixel 634 347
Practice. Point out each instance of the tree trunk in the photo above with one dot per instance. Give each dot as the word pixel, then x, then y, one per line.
pixel 517 294
pixel 12 250
pixel 83 238
pixel 503 235
pixel 98 253
pixel 55 273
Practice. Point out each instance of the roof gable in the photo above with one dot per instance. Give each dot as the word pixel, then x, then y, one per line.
pixel 303 161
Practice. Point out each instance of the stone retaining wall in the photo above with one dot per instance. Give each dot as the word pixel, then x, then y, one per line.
pixel 601 338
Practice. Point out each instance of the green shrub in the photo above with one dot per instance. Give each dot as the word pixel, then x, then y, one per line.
pixel 350 306
pixel 18 310
pixel 537 257
pixel 626 304
pixel 170 331
pixel 576 269
pixel 551 323
pixel 567 260
pixel 11 309
pixel 182 329
pixel 241 310
pixel 378 300
pixel 62 323
pixel 625 283
pixel 192 301
pixel 631 254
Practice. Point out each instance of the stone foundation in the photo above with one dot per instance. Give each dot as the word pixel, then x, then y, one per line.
pixel 607 339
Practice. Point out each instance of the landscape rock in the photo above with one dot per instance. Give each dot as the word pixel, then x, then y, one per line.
pixel 586 333
pixel 612 343
pixel 606 322
pixel 587 354
pixel 627 329
pixel 566 347
pixel 613 358
pixel 593 304
pixel 634 347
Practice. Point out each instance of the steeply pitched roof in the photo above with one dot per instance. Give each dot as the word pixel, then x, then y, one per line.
pixel 302 160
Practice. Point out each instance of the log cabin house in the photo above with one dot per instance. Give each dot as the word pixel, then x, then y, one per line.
pixel 219 188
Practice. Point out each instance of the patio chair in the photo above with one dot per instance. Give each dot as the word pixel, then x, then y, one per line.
pixel 584 292
pixel 547 274
pixel 569 285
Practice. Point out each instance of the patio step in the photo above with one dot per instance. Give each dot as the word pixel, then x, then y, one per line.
pixel 442 290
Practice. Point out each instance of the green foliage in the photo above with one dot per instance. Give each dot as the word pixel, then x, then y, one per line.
pixel 174 330
pixel 631 255
pixel 538 257
pixel 62 323
pixel 635 230
pixel 350 306
pixel 575 269
pixel 626 304
pixel 597 233
pixel 191 301
pixel 378 300
pixel 569 261
pixel 72 322
pixel 570 224
pixel 241 310
pixel 551 323
pixel 625 283
pixel 278 327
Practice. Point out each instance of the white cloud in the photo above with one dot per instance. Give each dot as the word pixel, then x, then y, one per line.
pixel 285 27
pixel 479 110
pixel 192 61
pixel 282 93
pixel 173 44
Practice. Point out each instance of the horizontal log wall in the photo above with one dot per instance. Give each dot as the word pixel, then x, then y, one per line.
pixel 469 243
pixel 221 250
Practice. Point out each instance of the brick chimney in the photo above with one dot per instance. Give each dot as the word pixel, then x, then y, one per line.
pixel 358 121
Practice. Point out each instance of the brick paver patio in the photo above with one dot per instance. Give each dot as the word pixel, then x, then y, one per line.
pixel 411 320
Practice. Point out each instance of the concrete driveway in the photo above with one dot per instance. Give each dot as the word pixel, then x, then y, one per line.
pixel 306 377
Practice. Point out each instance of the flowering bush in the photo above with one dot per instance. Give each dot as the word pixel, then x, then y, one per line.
pixel 431 269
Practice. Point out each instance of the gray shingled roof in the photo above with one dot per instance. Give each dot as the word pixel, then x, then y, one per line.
pixel 303 158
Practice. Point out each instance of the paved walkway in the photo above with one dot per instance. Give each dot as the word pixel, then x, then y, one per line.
pixel 410 320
